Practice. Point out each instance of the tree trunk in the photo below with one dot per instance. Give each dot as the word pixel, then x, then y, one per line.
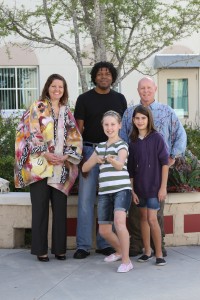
pixel 99 25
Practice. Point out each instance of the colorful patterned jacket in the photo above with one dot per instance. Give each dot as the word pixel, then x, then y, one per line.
pixel 37 133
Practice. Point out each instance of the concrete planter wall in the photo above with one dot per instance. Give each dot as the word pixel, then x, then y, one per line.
pixel 182 219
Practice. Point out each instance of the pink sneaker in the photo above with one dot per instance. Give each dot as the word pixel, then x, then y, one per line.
pixel 123 268
pixel 112 257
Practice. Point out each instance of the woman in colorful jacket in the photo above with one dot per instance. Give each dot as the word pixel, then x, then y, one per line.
pixel 48 148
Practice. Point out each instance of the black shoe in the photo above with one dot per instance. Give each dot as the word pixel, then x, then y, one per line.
pixel 43 258
pixel 145 258
pixel 160 261
pixel 80 254
pixel 106 251
pixel 60 257
pixel 133 252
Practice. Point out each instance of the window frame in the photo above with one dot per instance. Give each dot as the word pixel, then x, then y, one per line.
pixel 173 83
pixel 16 89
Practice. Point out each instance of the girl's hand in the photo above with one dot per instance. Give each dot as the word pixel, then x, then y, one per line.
pixel 100 160
pixel 162 194
pixel 135 198
pixel 111 158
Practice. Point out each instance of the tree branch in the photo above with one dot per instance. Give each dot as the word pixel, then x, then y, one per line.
pixel 48 19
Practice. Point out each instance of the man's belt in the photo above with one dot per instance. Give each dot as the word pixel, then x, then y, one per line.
pixel 93 145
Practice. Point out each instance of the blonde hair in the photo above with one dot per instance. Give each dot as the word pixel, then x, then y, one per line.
pixel 112 113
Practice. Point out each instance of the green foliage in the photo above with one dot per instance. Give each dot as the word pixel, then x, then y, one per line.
pixel 7 146
pixel 184 176
pixel 193 139
pixel 6 169
pixel 7 136
pixel 7 149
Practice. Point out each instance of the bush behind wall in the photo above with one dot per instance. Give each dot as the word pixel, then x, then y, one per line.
pixel 184 176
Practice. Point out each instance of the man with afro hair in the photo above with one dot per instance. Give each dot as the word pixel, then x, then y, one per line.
pixel 89 110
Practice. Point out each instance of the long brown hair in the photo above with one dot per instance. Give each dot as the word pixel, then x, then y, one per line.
pixel 150 126
pixel 50 79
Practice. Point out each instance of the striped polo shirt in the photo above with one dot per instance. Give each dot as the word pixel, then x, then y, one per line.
pixel 110 179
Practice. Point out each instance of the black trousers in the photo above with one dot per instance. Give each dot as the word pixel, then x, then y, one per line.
pixel 41 194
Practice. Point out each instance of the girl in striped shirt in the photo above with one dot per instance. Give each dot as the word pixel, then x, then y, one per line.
pixel 114 189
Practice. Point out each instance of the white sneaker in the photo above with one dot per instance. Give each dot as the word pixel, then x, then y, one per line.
pixel 123 268
pixel 112 257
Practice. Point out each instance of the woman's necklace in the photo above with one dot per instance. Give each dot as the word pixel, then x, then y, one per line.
pixel 55 115
pixel 55 110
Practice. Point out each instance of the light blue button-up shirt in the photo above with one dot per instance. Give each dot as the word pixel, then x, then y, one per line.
pixel 166 122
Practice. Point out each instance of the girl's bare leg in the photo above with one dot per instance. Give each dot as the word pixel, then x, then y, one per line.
pixel 155 231
pixel 107 233
pixel 145 231
pixel 123 234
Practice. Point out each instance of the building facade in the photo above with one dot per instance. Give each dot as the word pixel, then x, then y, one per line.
pixel 176 71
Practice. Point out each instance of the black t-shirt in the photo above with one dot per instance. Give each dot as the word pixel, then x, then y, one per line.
pixel 91 106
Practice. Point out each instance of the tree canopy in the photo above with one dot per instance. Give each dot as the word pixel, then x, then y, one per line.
pixel 126 32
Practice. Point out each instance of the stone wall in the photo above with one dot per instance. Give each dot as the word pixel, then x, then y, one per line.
pixel 182 219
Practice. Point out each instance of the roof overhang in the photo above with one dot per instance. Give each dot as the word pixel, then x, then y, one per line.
pixel 167 61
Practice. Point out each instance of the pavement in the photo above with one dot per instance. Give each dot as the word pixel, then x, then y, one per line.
pixel 23 277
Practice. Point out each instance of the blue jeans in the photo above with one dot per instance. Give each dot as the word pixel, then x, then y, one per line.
pixel 108 204
pixel 86 201
pixel 151 203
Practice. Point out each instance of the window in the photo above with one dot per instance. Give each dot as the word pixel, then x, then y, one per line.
pixel 177 96
pixel 18 87
pixel 90 84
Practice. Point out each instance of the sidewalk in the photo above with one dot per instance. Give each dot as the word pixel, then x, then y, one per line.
pixel 22 277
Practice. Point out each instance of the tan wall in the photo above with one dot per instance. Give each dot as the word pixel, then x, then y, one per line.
pixel 15 216
pixel 184 208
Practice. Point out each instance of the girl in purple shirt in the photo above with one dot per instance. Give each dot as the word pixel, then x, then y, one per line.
pixel 148 169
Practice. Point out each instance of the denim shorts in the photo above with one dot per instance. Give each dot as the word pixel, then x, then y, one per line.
pixel 109 203
pixel 152 203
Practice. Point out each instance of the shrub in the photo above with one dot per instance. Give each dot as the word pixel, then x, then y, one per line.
pixel 7 148
pixel 184 176
pixel 193 139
